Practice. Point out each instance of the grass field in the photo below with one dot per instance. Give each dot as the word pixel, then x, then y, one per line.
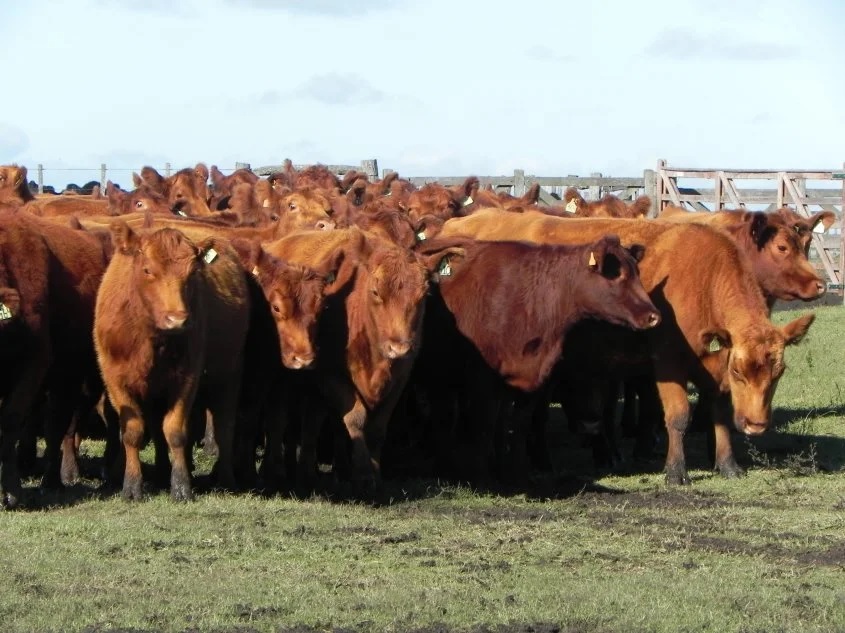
pixel 578 553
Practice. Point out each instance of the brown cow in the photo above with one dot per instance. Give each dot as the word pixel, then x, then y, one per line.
pixel 368 338
pixel 706 291
pixel 186 191
pixel 13 186
pixel 49 276
pixel 608 207
pixel 171 320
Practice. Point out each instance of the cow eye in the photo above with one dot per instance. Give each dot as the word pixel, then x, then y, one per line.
pixel 782 248
pixel 276 308
pixel 274 218
pixel 292 206
pixel 148 272
pixel 139 204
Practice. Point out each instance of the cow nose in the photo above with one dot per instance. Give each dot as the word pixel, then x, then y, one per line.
pixel 822 287
pixel 300 361
pixel 173 320
pixel 396 349
pixel 325 225
pixel 653 319
pixel 752 428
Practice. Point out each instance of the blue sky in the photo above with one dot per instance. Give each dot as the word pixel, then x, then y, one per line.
pixel 428 87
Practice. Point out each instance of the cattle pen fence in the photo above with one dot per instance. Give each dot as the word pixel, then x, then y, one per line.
pixel 696 189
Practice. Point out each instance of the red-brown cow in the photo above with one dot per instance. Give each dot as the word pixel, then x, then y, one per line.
pixel 608 207
pixel 706 291
pixel 171 319
pixel 49 276
pixel 368 338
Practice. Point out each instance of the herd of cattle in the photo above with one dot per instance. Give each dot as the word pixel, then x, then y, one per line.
pixel 305 317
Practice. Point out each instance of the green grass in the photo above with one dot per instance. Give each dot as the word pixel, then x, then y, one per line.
pixel 626 553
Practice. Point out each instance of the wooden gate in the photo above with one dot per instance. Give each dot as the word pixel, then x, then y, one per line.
pixel 790 188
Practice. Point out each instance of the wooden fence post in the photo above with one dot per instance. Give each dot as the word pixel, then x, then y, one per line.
pixel 370 167
pixel 242 166
pixel 103 178
pixel 842 241
pixel 40 178
pixel 519 183
pixel 595 190
pixel 650 182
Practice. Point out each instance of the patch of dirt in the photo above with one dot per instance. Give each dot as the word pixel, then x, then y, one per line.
pixel 832 557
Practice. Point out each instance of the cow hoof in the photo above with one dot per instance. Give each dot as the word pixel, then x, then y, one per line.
pixel 10 500
pixel 70 475
pixel 181 493
pixel 677 476
pixel 729 469
pixel 132 491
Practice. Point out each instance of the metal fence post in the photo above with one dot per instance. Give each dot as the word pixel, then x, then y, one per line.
pixel 40 178
pixel 103 177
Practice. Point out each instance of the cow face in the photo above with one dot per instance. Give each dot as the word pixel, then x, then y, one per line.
pixel 184 195
pixel 164 268
pixel 435 200
pixel 780 262
pixel 306 209
pixel 141 200
pixel 13 185
pixel 754 367
pixel 395 283
pixel 614 292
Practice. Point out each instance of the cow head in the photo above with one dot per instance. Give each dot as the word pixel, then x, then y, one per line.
pixel 436 200
pixel 754 367
pixel 804 227
pixel 13 185
pixel 296 295
pixel 613 291
pixel 164 268
pixel 779 259
pixel 391 286
pixel 306 208
pixel 140 200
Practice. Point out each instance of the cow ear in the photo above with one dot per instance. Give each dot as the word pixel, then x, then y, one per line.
pixel 760 229
pixel 113 194
pixel 640 207
pixel 427 227
pixel 714 339
pixel 340 271
pixel 827 218
pixel 125 240
pixel 206 250
pixel 637 252
pixel 136 180
pixel 20 176
pixel 795 330
pixel 439 257
pixel 201 172
pixel 601 260
pixel 533 194
pixel 217 176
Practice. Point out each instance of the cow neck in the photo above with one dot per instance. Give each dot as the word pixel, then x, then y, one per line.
pixel 737 303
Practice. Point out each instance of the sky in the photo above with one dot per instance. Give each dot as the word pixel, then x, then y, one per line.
pixel 426 87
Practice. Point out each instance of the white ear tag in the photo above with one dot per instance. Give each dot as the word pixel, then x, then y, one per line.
pixel 592 258
pixel 444 270
pixel 388 194
pixel 210 256
pixel 255 271
pixel 571 206
pixel 421 236
pixel 467 201
pixel 181 214
pixel 266 204
pixel 715 345
pixel 5 313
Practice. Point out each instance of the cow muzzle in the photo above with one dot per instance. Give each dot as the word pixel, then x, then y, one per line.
pixel 750 427
pixel 174 320
pixel 10 304
pixel 396 348
pixel 298 361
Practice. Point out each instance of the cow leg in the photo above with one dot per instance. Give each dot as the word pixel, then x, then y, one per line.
pixel 355 421
pixel 536 442
pixel 673 396
pixel 132 430
pixel 312 417
pixel 272 470
pixel 649 413
pixel 725 461
pixel 629 423
pixel 175 430
pixel 61 407
pixel 13 412
pixel 224 407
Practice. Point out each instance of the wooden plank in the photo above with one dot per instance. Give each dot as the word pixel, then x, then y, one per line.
pixel 671 189
pixel 731 190
pixel 717 194
pixel 750 174
pixel 266 170
pixel 547 198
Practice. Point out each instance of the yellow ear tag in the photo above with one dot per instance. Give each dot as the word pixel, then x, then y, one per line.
pixel 266 204
pixel 5 313
pixel 592 258
pixel 467 201
pixel 444 270
pixel 210 256
pixel 421 236
pixel 715 345
pixel 571 206
pixel 255 272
